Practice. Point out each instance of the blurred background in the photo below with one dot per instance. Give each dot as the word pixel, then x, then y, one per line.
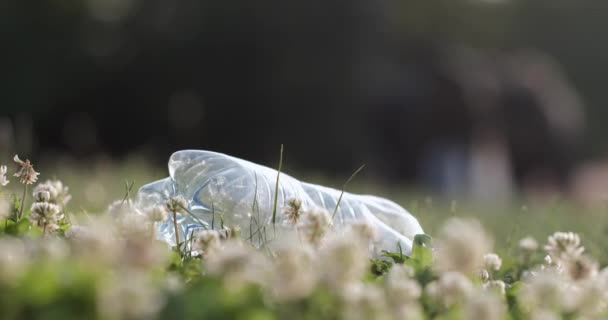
pixel 479 99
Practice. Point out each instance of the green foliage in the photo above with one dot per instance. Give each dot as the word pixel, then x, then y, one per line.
pixel 206 298
pixel 68 289
pixel 55 283
pixel 276 188
pixel 379 267
pixel 422 250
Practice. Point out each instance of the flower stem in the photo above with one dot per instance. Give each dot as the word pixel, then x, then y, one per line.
pixel 176 232
pixel 44 229
pixel 22 202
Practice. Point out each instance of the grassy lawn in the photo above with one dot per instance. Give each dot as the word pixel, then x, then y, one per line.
pixel 72 260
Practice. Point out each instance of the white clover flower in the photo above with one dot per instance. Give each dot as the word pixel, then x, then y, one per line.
pixel 492 261
pixel 58 193
pixel 400 287
pixel 410 311
pixel 173 283
pixel 316 224
pixel 293 210
pixel 176 204
pixel 133 225
pixel 544 314
pixel 544 289
pixel 432 290
pixel 602 280
pixel 75 231
pixel 580 267
pixel 14 259
pixel 400 271
pixel 497 286
pixel 129 295
pixel 484 275
pixel 206 242
pixel 121 208
pixel 590 298
pixel 142 251
pixel 343 260
pixel 564 244
pixel 481 305
pixel 238 265
pixel 52 249
pixel 451 288
pixel 365 231
pixel 128 241
pixel 5 209
pixel 233 232
pixel 26 172
pixel 365 302
pixel 461 245
pixel 128 220
pixel 551 265
pixel 96 241
pixel 157 213
pixel 3 180
pixel 46 215
pixel 293 275
pixel 42 196
pixel 528 245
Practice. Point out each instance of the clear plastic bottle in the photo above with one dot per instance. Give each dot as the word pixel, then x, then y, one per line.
pixel 221 189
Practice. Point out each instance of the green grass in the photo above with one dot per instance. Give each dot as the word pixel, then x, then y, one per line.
pixel 73 284
pixel 507 222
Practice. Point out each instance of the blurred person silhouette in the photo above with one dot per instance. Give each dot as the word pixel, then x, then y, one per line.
pixel 483 124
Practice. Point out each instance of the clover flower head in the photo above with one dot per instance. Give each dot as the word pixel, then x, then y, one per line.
pixel 492 261
pixel 528 245
pixel 317 223
pixel 157 213
pixel 58 193
pixel 461 246
pixel 481 305
pixel 206 242
pixel 176 204
pixel 580 267
pixel 3 180
pixel 293 210
pixel 561 244
pixel 26 172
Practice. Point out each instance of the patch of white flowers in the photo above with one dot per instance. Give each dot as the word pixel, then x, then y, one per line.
pixel 58 193
pixel 461 246
pixel 492 261
pixel 466 279
pixel 3 180
pixel 564 244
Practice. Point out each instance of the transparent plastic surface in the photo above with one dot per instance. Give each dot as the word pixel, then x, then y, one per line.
pixel 223 189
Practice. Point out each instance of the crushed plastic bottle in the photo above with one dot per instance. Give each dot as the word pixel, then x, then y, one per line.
pixel 220 189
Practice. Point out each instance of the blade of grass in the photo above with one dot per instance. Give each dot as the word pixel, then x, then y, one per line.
pixel 252 233
pixel 188 245
pixel 128 189
pixel 400 250
pixel 250 225
pixel 255 198
pixel 276 189
pixel 20 214
pixel 212 217
pixel 255 193
pixel 258 232
pixel 343 188
pixel 203 224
